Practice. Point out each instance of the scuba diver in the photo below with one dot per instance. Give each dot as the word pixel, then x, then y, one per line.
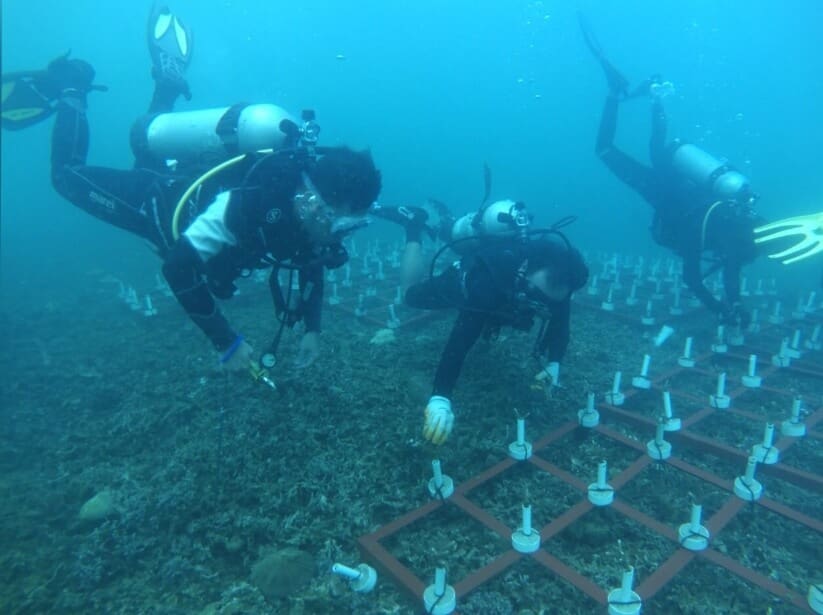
pixel 703 207
pixel 507 275
pixel 287 206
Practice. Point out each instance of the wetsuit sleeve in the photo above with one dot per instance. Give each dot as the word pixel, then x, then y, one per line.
pixel 634 174
pixel 467 328
pixel 183 269
pixel 481 298
pixel 556 337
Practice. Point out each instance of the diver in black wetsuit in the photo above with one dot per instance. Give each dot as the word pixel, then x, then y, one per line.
pixel 508 279
pixel 288 208
pixel 702 207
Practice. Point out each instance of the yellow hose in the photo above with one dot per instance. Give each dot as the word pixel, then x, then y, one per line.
pixel 178 210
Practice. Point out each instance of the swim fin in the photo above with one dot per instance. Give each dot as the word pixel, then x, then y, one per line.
pixel 30 97
pixel 618 84
pixel 27 99
pixel 170 45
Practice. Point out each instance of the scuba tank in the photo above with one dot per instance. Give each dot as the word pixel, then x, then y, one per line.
pixel 706 172
pixel 207 136
pixel 500 219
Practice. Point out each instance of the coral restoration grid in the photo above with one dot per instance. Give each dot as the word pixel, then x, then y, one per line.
pixel 702 453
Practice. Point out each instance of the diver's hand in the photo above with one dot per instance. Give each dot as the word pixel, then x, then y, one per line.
pixel 808 228
pixel 237 357
pixel 438 420
pixel 736 315
pixel 309 350
pixel 549 375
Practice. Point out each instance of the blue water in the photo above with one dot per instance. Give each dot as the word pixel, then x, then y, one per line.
pixel 436 89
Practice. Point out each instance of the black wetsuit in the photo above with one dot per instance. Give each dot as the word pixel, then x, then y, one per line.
pixel 225 230
pixel 487 288
pixel 685 220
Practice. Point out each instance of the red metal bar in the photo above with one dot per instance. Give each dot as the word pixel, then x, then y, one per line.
pixel 558 524
pixel 690 439
pixel 560 473
pixel 407 519
pixel 664 573
pixel 588 587
pixel 721 518
pixel 771 586
pixel 486 573
pixel 480 515
pixel 791 513
pixel 633 470
pixel 485 476
pixel 388 564
pixel 644 519
pixel 555 434
pixel 669 569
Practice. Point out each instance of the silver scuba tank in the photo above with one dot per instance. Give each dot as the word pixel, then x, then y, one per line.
pixel 706 171
pixel 208 136
pixel 501 218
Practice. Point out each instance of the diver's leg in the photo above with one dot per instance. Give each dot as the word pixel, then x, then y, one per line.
pixel 657 143
pixel 170 46
pixel 608 126
pixel 437 293
pixel 121 198
pixel 631 172
pixel 693 278
pixel 413 220
pixel 412 265
pixel 731 280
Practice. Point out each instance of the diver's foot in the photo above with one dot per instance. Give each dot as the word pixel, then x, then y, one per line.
pixel 443 230
pixel 618 84
pixel 65 77
pixel 413 219
pixel 170 46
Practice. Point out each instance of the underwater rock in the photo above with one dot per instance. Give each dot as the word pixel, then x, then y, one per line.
pixel 99 507
pixel 282 572
pixel 383 336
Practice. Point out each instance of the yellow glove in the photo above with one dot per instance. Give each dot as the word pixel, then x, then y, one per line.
pixel 438 420
pixel 809 227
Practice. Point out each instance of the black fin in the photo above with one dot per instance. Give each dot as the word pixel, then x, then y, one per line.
pixel 618 84
pixel 487 184
pixel 171 45
pixel 26 99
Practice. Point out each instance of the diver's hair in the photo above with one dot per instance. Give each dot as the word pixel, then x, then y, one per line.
pixel 346 178
pixel 565 263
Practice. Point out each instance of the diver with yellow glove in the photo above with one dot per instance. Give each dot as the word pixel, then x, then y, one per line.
pixel 508 275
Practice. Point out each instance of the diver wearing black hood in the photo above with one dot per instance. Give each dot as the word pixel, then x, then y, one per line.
pixel 703 207
pixel 503 279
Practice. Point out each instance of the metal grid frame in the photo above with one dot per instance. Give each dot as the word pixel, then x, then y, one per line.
pixel 375 552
